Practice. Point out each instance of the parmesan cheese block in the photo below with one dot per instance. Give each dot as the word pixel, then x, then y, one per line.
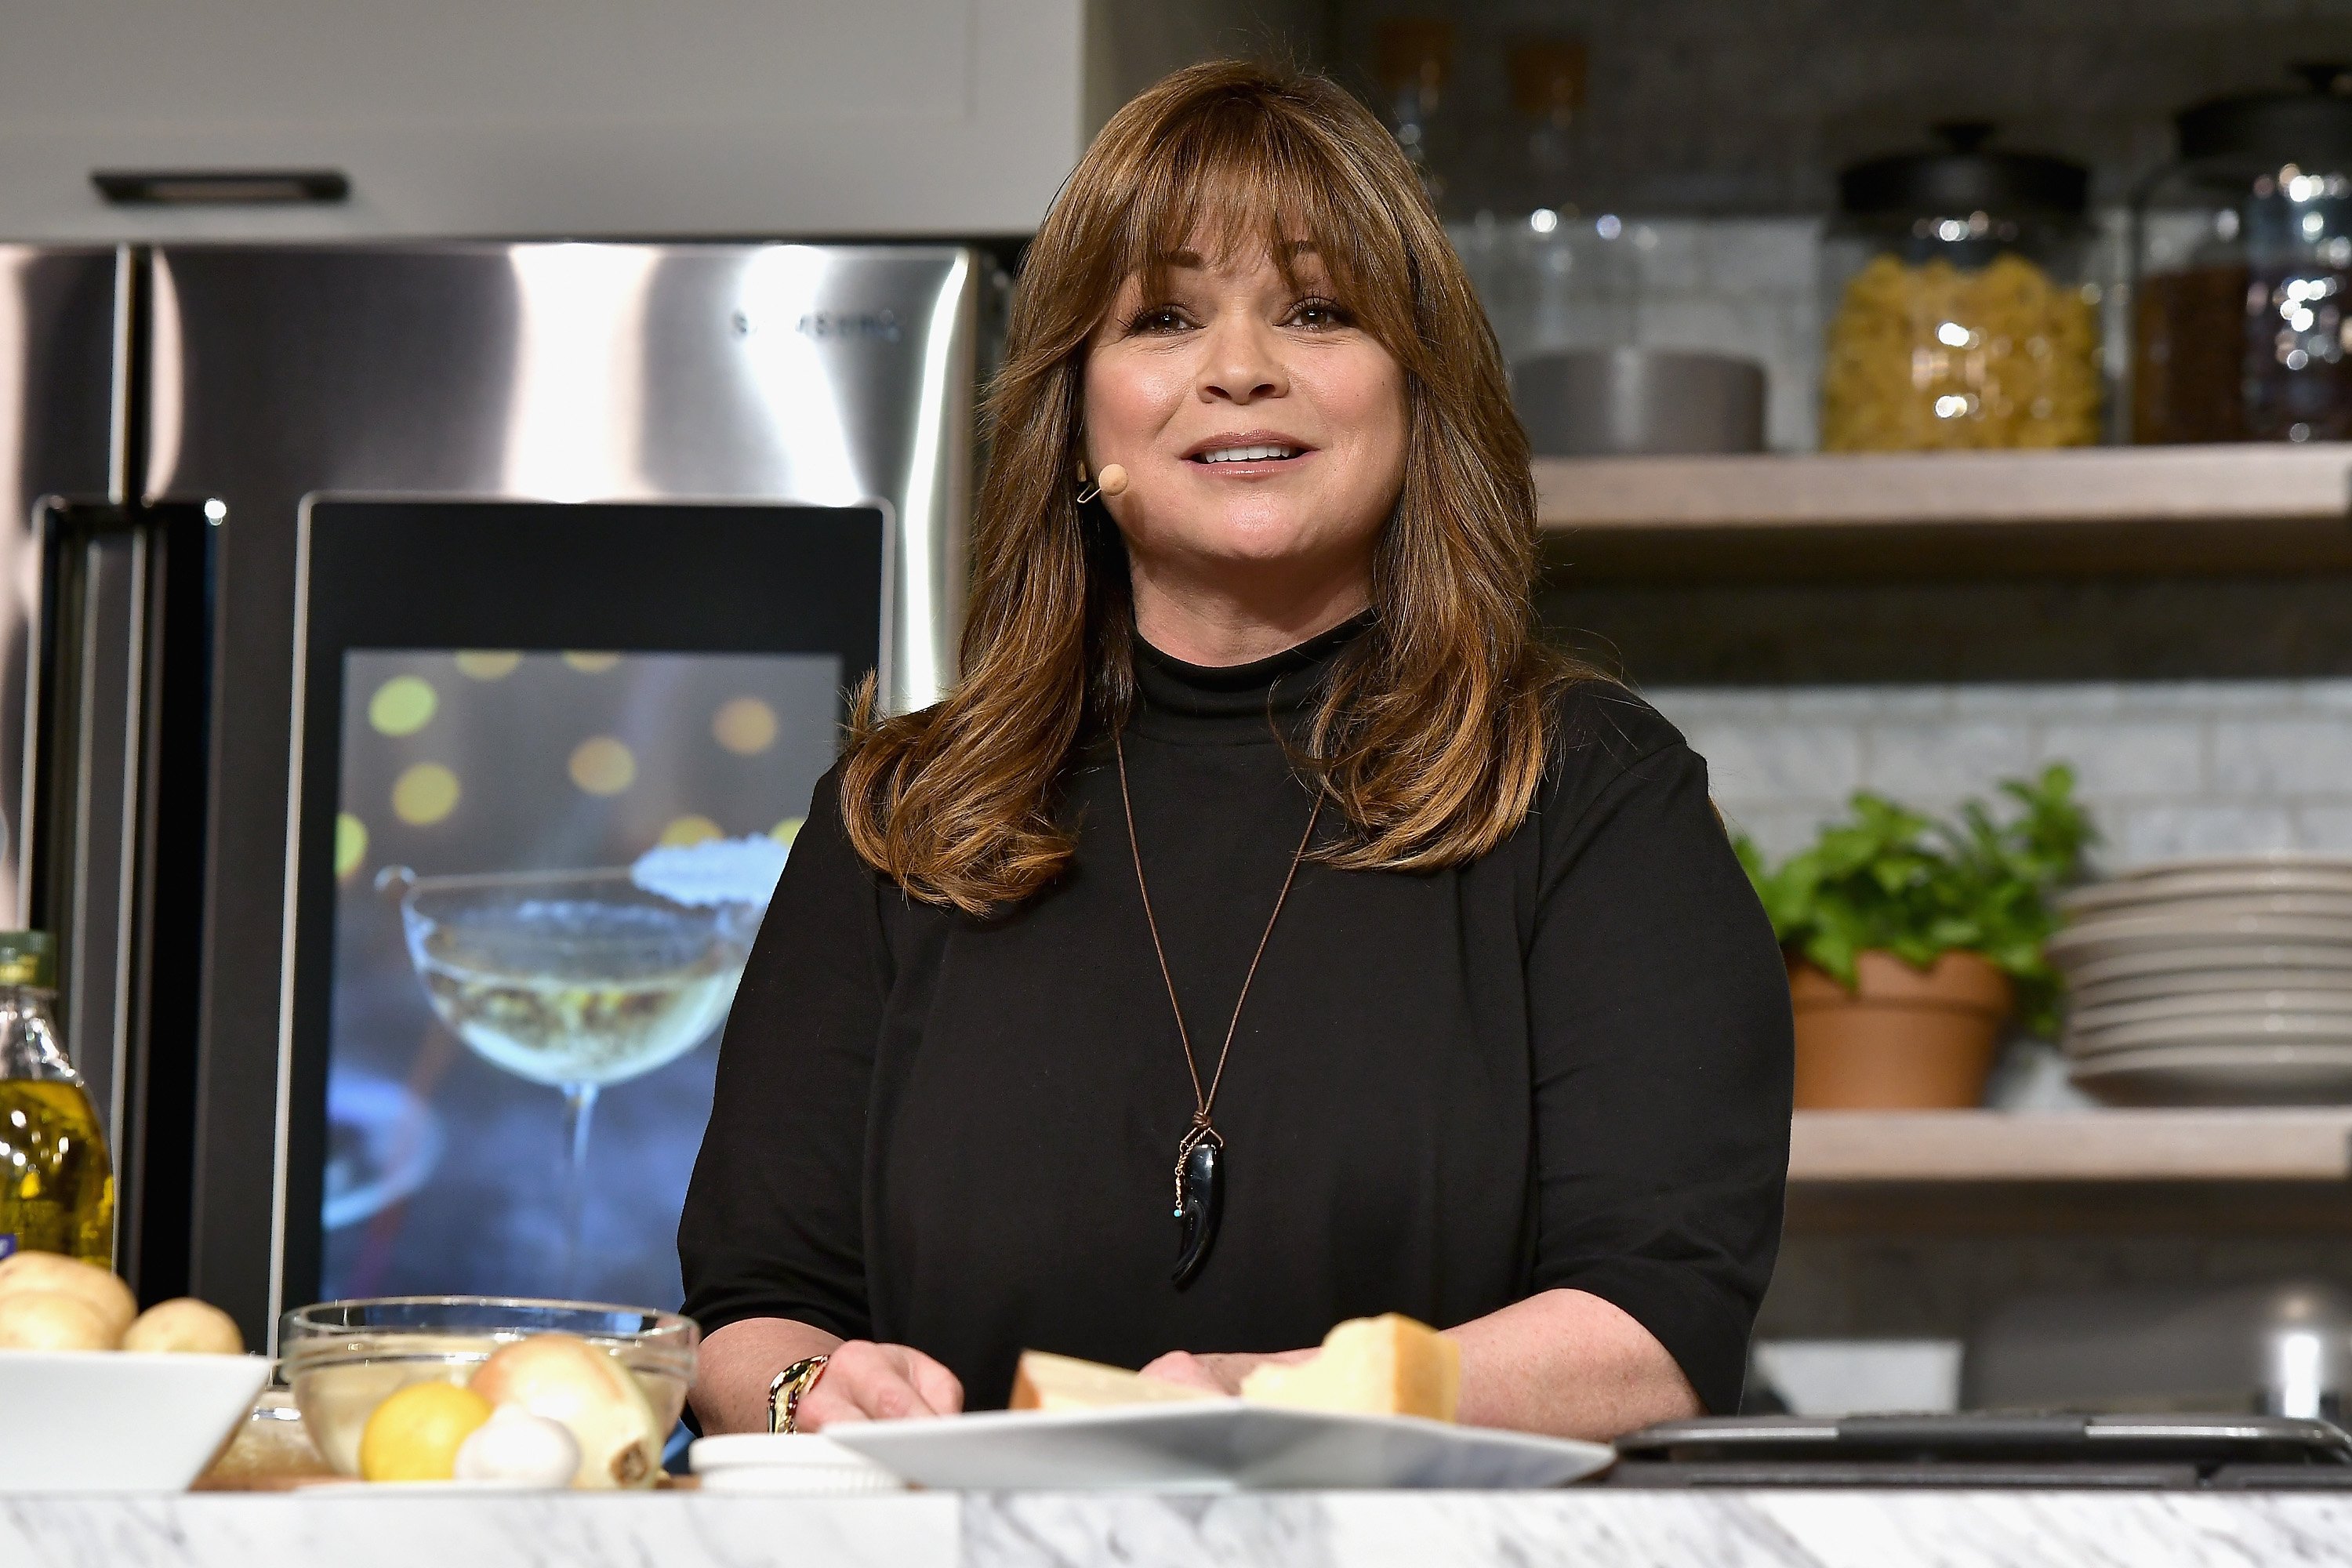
pixel 1388 1365
pixel 1044 1382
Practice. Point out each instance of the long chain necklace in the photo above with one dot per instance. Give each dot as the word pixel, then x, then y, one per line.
pixel 1200 1155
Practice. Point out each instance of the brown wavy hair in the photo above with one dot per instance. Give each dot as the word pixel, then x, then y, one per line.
pixel 1433 734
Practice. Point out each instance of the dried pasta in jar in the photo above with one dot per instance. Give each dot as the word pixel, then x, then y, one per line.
pixel 1938 357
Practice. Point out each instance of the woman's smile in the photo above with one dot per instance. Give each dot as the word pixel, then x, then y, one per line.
pixel 1249 454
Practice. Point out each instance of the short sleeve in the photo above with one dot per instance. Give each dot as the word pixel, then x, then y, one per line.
pixel 1663 1043
pixel 773 1220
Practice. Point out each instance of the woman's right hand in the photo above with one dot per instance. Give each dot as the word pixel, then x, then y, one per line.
pixel 867 1382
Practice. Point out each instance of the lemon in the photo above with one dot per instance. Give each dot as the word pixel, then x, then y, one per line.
pixel 414 1435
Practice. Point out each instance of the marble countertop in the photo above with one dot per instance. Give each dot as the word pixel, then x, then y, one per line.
pixel 1606 1528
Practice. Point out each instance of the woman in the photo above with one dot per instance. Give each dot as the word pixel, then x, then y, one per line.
pixel 1267 931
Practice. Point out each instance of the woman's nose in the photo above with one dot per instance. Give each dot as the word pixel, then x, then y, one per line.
pixel 1241 365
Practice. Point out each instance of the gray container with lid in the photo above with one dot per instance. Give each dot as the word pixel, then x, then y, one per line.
pixel 1620 402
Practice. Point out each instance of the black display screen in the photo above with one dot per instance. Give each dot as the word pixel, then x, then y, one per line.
pixel 553 757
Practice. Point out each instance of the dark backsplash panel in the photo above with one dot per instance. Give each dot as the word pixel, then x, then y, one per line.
pixel 1839 633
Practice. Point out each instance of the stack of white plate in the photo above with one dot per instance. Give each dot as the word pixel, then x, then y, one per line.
pixel 2211 982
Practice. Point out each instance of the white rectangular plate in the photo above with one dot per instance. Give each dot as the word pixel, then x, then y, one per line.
pixel 1214 1445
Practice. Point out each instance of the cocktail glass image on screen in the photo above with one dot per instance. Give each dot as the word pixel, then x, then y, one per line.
pixel 549 869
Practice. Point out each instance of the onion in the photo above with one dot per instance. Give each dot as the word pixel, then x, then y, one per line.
pixel 567 1379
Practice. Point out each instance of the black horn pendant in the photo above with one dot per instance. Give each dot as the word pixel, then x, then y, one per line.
pixel 1200 1200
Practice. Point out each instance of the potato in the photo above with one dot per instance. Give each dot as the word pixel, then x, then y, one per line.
pixel 186 1324
pixel 51 1321
pixel 110 1297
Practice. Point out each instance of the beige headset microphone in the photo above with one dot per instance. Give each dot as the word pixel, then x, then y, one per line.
pixel 1112 482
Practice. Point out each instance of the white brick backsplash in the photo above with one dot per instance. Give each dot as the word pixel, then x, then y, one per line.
pixel 2323 829
pixel 1923 761
pixel 1706 325
pixel 1670 256
pixel 2165 769
pixel 1856 704
pixel 1687 705
pixel 1780 831
pixel 1787 763
pixel 2039 699
pixel 2127 757
pixel 2238 698
pixel 2309 755
pixel 2136 835
pixel 1763 258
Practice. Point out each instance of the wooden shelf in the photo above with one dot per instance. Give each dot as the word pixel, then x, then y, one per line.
pixel 2088 511
pixel 1830 1148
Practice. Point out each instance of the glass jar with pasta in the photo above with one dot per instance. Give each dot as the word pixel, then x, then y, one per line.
pixel 1963 312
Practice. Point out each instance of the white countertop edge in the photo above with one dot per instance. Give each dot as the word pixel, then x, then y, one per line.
pixel 1604 1528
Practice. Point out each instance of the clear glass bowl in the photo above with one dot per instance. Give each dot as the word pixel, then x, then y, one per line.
pixel 343 1358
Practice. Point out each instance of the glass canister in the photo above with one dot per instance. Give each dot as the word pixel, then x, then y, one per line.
pixel 1553 272
pixel 2241 255
pixel 1414 63
pixel 1962 309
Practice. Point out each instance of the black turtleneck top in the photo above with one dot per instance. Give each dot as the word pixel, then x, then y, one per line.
pixel 1566 1064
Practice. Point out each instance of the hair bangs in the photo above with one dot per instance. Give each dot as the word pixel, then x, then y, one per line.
pixel 1234 179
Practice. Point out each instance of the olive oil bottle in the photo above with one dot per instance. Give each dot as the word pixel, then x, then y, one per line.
pixel 57 1185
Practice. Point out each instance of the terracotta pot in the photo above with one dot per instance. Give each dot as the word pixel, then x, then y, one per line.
pixel 1903 1039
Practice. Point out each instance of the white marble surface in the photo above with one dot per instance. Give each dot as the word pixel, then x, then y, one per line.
pixel 1604 1528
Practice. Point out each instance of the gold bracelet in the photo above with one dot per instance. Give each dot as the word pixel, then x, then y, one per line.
pixel 784 1393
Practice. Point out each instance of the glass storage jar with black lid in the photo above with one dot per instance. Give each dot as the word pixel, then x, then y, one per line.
pixel 2241 254
pixel 1962 306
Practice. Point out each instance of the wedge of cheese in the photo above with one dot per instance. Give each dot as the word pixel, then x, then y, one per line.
pixel 1388 1365
pixel 1044 1382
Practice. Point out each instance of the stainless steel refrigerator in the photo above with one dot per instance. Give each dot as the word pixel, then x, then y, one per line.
pixel 491 605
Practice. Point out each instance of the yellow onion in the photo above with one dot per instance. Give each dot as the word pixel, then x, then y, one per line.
pixel 566 1379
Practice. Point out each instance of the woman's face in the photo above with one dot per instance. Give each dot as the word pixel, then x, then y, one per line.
pixel 1262 431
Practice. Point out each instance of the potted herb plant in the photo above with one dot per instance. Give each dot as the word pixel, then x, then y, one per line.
pixel 1911 942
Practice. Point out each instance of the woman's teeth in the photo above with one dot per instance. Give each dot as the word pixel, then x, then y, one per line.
pixel 1246 454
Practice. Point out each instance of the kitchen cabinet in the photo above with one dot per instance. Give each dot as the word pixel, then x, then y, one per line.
pixel 527 117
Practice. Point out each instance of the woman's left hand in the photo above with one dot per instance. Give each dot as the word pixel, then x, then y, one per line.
pixel 1218 1373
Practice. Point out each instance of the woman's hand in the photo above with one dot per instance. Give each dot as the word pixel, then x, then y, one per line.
pixel 1217 1372
pixel 869 1382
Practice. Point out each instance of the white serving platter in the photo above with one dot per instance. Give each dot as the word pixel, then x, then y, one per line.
pixel 2200 1075
pixel 2216 1031
pixel 1212 1446
pixel 2239 1001
pixel 2200 882
pixel 2289 862
pixel 2191 938
pixel 2333 904
pixel 2167 985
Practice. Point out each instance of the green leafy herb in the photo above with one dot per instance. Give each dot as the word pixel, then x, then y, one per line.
pixel 1890 879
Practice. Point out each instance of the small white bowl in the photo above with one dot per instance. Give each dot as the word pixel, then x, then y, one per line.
pixel 120 1421
pixel 802 1464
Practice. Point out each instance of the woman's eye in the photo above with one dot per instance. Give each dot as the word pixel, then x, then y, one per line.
pixel 1319 314
pixel 1157 319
